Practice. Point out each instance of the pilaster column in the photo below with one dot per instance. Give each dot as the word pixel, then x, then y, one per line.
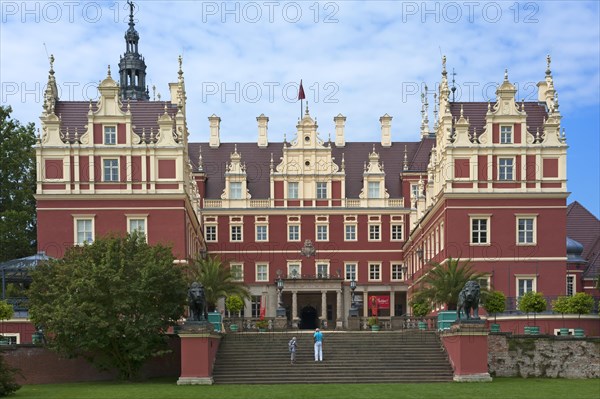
pixel 366 302
pixel 338 318
pixel 323 305
pixel 294 305
pixel 392 303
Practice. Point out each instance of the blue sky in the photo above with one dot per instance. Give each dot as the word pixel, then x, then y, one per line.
pixel 361 59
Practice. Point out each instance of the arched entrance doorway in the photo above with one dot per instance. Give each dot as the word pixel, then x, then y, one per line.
pixel 308 318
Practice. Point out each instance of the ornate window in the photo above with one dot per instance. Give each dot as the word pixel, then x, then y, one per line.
pixel 294 270
pixel 110 135
pixel 374 190
pixel 374 232
pixel 236 233
pixel 505 169
pixel 506 135
pixel 322 232
pixel 262 232
pixel 111 170
pixel 321 190
pixel 235 190
pixel 526 230
pixel 294 233
pixel 210 233
pixel 396 232
pixel 480 230
pixel 262 272
pixel 292 190
pixel 322 270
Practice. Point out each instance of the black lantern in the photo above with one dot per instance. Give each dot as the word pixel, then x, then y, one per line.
pixel 353 309
pixel 280 284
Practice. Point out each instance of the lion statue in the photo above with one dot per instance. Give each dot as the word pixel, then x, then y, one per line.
pixel 468 299
pixel 197 302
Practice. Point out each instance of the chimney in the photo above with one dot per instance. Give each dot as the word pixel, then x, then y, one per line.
pixel 263 140
pixel 214 140
pixel 386 130
pixel 340 121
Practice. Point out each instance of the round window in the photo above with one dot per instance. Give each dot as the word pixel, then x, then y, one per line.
pixel 307 163
pixel 306 138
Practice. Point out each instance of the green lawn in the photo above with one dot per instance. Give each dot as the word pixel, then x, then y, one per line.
pixel 501 388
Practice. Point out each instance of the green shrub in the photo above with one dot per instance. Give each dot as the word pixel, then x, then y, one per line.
pixel 495 302
pixel 532 302
pixel 234 304
pixel 562 304
pixel 420 308
pixel 372 321
pixel 8 383
pixel 581 303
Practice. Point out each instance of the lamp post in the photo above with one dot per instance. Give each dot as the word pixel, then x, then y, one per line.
pixel 280 308
pixel 353 309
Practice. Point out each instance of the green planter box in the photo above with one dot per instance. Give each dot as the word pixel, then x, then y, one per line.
pixel 215 319
pixel 579 333
pixel 495 328
pixel 445 319
pixel 564 332
pixel 233 327
pixel 534 330
pixel 375 328
pixel 527 329
pixel 422 325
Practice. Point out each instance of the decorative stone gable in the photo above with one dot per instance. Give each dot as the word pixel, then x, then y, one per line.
pixel 374 191
pixel 235 179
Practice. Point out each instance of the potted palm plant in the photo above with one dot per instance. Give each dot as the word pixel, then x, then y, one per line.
pixel 495 302
pixel 234 305
pixel 532 302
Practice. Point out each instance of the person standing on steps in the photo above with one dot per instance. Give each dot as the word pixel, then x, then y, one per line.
pixel 293 345
pixel 318 336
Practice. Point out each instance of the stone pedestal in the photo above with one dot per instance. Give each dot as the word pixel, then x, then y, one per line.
pixel 280 323
pixel 353 323
pixel 199 345
pixel 467 347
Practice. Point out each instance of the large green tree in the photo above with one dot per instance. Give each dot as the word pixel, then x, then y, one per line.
pixel 109 302
pixel 442 284
pixel 217 279
pixel 17 186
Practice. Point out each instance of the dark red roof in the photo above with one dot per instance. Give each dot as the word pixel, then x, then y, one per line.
pixel 144 115
pixel 584 227
pixel 476 112
pixel 258 160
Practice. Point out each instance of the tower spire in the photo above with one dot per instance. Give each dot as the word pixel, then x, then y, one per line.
pixel 132 67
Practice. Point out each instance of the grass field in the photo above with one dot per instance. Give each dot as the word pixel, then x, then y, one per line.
pixel 500 388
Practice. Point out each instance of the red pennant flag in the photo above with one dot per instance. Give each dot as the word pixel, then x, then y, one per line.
pixel 301 95
pixel 263 307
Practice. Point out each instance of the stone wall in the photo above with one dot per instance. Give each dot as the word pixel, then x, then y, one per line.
pixel 543 356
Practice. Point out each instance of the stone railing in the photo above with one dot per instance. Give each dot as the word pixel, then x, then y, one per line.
pixel 266 203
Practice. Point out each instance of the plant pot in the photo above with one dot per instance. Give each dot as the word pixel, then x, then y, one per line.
pixel 375 328
pixel 534 330
pixel 262 330
pixel 563 332
pixel 526 329
pixel 233 327
pixel 579 333
pixel 422 325
pixel 495 328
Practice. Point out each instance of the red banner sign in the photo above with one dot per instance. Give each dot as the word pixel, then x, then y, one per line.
pixel 379 301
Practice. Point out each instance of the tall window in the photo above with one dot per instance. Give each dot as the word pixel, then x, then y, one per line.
pixel 414 191
pixel 322 232
pixel 262 233
pixel 262 272
pixel 111 170
pixel 373 189
pixel 210 233
pixel 479 231
pixel 256 305
pixel 321 190
pixel 374 272
pixel 505 169
pixel 396 232
pixel 235 190
pixel 137 224
pixel 525 230
pixel 236 233
pixel 294 270
pixel 570 285
pixel 322 270
pixel 374 232
pixel 351 271
pixel 506 135
pixel 110 135
pixel 237 271
pixel 350 232
pixel 85 231
pixel 397 273
pixel 294 233
pixel 292 190
pixel 524 285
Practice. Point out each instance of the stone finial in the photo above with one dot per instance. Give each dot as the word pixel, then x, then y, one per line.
pixel 108 73
pixel 548 61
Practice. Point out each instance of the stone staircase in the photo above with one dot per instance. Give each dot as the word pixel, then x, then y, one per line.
pixel 348 357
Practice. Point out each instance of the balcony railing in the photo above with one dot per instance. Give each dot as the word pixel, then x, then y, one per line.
pixel 512 304
pixel 266 203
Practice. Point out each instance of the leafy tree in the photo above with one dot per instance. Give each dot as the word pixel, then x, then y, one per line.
pixel 17 186
pixel 217 279
pixel 6 310
pixel 532 302
pixel 562 304
pixel 495 302
pixel 581 303
pixel 234 304
pixel 444 282
pixel 8 383
pixel 109 302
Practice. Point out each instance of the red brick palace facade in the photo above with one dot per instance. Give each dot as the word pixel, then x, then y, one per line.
pixel 486 183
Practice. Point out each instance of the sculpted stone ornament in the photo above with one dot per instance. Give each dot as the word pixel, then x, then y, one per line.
pixel 468 299
pixel 308 250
